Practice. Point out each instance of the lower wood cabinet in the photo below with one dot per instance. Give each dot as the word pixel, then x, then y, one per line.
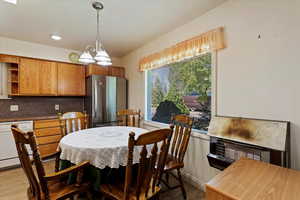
pixel 48 135
pixel 48 139
pixel 41 132
pixel 46 149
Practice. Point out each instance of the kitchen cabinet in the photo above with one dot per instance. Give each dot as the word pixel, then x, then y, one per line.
pixel 93 69
pixel 9 59
pixel 48 78
pixel 48 135
pixel 29 77
pixel 71 80
pixel 37 77
pixel 117 71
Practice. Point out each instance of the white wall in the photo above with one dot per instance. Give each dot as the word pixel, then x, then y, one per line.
pixel 34 50
pixel 255 78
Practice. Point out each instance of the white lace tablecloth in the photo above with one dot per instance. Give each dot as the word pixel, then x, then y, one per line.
pixel 103 147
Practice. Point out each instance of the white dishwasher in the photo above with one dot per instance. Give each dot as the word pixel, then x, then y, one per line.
pixel 8 151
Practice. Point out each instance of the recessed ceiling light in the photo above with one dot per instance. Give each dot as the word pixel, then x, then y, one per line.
pixel 55 37
pixel 11 1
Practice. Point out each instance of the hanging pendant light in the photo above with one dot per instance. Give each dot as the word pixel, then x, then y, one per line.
pixel 101 57
pixel 86 57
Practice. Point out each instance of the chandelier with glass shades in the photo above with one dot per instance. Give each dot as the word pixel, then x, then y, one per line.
pixel 96 54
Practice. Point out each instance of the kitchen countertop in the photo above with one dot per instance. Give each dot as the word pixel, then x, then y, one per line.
pixel 27 118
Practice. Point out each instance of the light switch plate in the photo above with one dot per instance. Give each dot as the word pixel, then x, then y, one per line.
pixel 56 107
pixel 14 108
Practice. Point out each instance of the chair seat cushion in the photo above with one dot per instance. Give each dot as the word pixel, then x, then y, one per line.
pixel 172 163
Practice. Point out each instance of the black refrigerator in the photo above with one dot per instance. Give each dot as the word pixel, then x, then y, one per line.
pixel 105 95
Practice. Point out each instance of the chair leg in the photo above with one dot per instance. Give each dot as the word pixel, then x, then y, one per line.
pixel 104 198
pixel 181 183
pixel 157 197
pixel 89 195
pixel 56 167
pixel 167 177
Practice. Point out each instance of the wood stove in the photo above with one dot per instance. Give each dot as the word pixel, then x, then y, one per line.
pixel 232 138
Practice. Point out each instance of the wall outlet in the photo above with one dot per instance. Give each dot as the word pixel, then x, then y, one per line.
pixel 14 108
pixel 56 107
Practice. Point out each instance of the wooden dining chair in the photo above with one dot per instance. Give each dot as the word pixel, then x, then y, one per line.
pixel 182 132
pixel 129 117
pixel 42 186
pixel 72 121
pixel 153 148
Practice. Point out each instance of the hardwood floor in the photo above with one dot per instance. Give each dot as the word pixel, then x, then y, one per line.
pixel 192 193
pixel 13 186
pixel 13 183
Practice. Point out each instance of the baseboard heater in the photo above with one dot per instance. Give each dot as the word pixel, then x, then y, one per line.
pixel 232 138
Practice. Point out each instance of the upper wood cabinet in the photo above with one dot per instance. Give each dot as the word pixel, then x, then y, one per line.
pixel 37 77
pixel 9 59
pixel 48 78
pixel 71 79
pixel 117 71
pixel 93 69
pixel 29 70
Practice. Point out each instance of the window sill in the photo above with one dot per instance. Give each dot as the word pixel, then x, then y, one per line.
pixel 195 133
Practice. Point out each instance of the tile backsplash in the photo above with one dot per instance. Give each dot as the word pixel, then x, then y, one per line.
pixel 39 106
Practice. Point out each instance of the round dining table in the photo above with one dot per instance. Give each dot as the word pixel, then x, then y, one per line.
pixel 102 147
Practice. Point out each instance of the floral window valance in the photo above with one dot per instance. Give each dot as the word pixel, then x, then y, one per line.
pixel 209 41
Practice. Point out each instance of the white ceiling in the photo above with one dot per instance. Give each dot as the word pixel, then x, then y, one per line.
pixel 125 25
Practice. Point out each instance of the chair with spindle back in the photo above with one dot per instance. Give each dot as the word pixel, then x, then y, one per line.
pixel 72 121
pixel 182 132
pixel 150 167
pixel 42 186
pixel 129 117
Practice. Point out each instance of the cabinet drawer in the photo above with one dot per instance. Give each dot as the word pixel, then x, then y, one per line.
pixel 48 139
pixel 47 131
pixel 46 149
pixel 46 123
